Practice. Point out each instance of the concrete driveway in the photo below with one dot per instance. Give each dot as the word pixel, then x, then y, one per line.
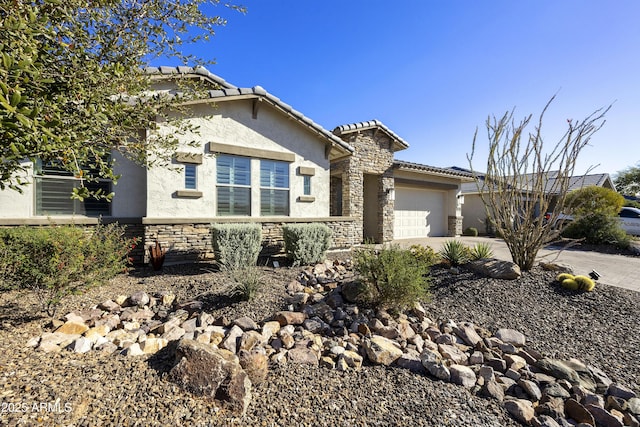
pixel 615 270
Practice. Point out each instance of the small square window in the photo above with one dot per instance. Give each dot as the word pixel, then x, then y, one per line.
pixel 307 185
pixel 190 181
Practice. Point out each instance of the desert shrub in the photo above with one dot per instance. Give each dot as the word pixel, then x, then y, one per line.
pixel 594 200
pixel 236 245
pixel 392 277
pixel 247 283
pixel 59 261
pixel 470 231
pixel 481 250
pixel 425 254
pixel 455 252
pixel 598 229
pixel 306 244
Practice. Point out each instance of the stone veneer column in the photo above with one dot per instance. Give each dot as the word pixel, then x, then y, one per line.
pixel 386 217
pixel 455 226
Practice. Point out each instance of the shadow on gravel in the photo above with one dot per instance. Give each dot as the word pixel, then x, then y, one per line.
pixel 192 269
pixel 163 360
pixel 213 301
pixel 15 315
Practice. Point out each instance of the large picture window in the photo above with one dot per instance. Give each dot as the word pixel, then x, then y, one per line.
pixel 54 187
pixel 274 188
pixel 233 184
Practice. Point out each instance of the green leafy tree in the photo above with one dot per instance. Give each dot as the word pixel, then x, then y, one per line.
pixel 627 181
pixel 523 178
pixel 72 85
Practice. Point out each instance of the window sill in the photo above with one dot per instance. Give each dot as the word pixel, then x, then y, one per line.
pixel 306 199
pixel 188 194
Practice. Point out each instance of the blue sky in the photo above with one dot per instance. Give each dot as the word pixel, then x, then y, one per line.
pixel 432 71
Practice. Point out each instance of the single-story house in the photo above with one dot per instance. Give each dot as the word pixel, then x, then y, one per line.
pixel 257 160
pixel 473 210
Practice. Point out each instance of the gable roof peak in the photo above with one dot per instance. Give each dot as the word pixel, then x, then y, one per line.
pixel 399 143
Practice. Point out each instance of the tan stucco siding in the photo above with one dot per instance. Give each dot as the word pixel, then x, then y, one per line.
pixel 129 200
pixel 474 213
pixel 232 124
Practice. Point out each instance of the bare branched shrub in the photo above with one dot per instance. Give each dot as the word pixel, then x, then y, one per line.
pixel 524 179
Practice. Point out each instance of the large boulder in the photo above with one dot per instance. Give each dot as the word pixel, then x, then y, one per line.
pixel 495 268
pixel 209 372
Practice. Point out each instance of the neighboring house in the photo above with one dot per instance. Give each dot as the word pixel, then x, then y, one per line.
pixel 473 209
pixel 258 160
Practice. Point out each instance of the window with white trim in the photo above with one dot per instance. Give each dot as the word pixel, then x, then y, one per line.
pixel 233 185
pixel 54 186
pixel 307 185
pixel 274 188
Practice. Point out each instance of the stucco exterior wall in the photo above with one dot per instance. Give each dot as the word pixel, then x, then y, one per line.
pixel 232 124
pixel 474 213
pixel 129 200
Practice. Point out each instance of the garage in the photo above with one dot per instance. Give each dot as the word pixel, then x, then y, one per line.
pixel 419 213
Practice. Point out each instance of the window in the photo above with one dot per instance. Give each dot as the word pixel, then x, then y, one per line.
pixel 233 183
pixel 54 186
pixel 307 185
pixel 274 187
pixel 190 181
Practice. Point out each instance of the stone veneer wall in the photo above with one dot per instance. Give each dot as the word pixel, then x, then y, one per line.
pixel 373 155
pixel 455 226
pixel 188 242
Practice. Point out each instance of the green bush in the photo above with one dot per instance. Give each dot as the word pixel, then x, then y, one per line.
pixel 58 261
pixel 236 246
pixel 481 250
pixel 247 283
pixel 306 244
pixel 455 252
pixel 392 277
pixel 593 199
pixel 598 229
pixel 470 231
pixel 425 254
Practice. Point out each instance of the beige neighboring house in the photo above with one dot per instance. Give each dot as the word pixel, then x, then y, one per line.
pixel 473 209
pixel 257 160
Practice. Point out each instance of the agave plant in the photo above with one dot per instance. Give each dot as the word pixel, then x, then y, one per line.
pixel 454 252
pixel 481 250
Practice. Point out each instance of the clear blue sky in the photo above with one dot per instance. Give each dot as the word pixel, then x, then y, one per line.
pixel 432 71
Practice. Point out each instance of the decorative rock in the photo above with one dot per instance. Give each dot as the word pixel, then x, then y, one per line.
pixel 246 324
pixel 174 334
pixel 496 268
pixel 520 409
pixel 601 379
pixel 352 359
pixel 139 298
pixel 468 334
pixel 255 364
pixel 133 350
pixel 231 340
pixel 556 390
pixel 476 358
pixel 603 418
pixel 72 328
pixel 633 405
pixel 557 266
pixel 493 390
pixel 109 306
pixel 453 353
pixel 558 369
pixel 531 389
pixel 250 340
pixel 462 375
pixel 551 406
pixel 290 318
pixel 620 391
pixel 82 345
pixel 411 362
pixel 301 355
pixel 544 421
pixel 497 364
pixel 381 350
pixel 153 345
pixel 209 372
pixel 579 413
pixel 511 336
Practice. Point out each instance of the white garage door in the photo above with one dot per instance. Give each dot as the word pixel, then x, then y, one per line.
pixel 419 213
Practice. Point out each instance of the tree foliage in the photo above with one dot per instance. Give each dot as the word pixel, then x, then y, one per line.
pixel 592 200
pixel 627 181
pixel 72 84
pixel 524 178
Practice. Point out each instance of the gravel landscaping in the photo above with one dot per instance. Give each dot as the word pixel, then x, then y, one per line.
pixel 601 328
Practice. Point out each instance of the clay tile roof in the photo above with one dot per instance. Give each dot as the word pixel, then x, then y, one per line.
pixel 400 143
